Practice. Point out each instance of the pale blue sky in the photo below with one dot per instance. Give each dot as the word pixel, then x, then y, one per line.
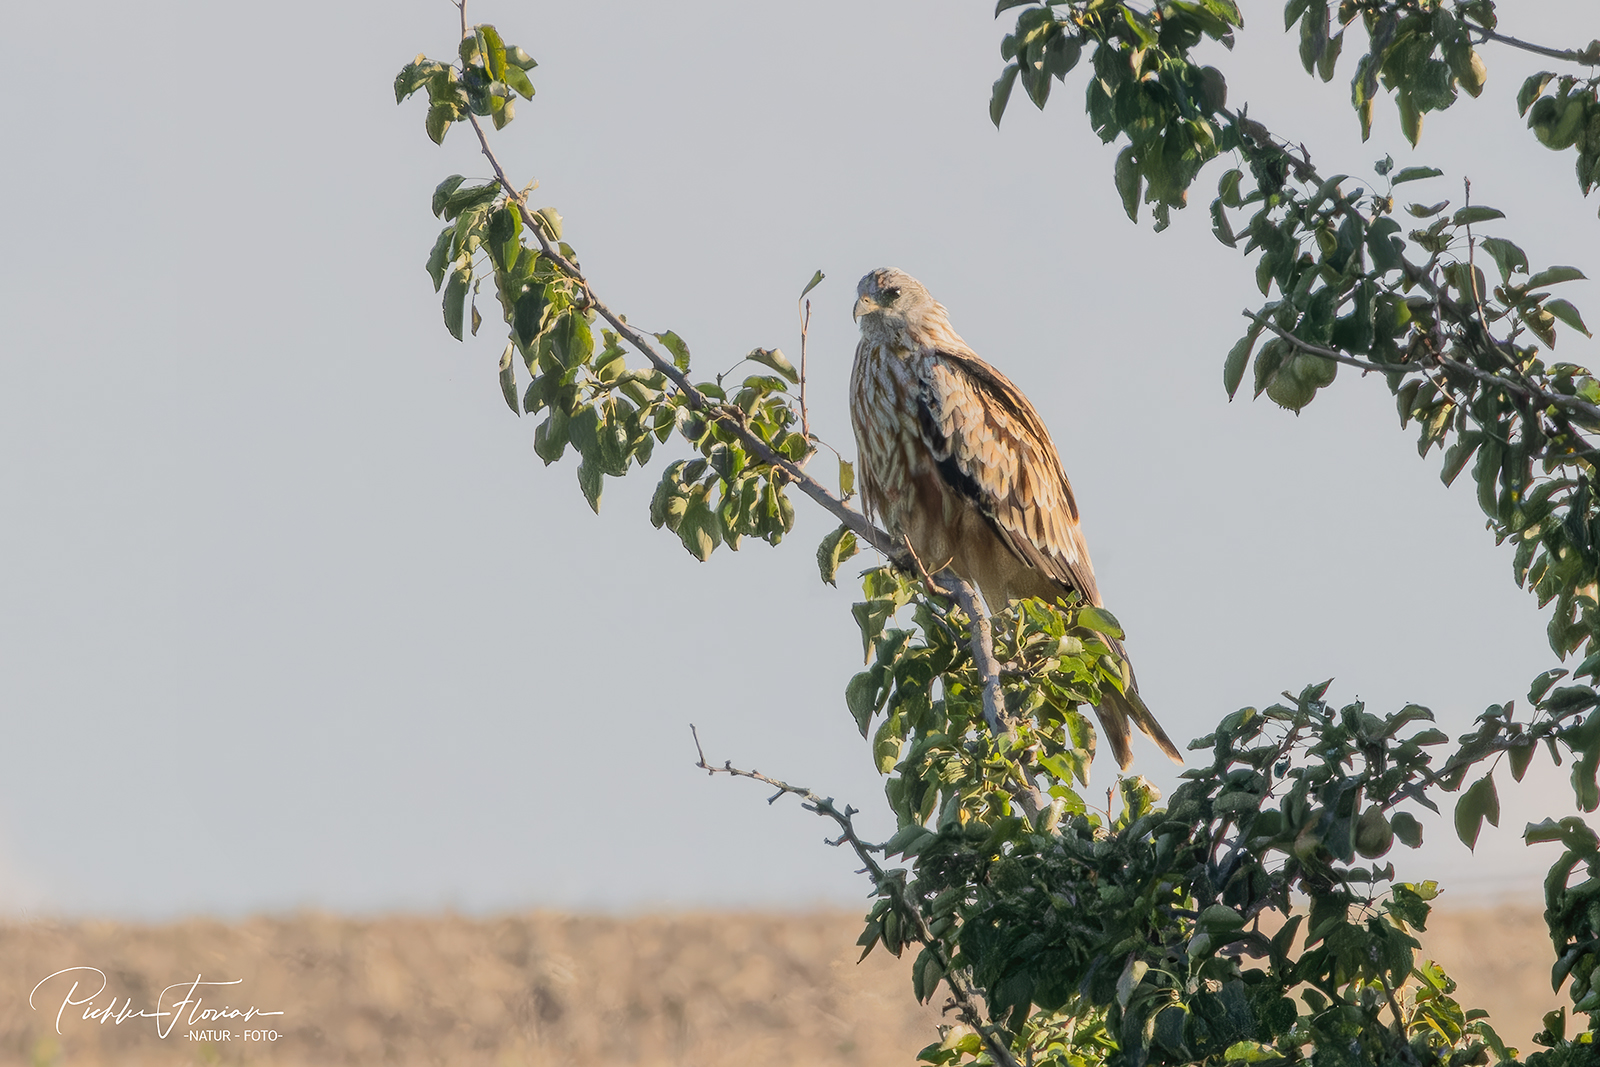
pixel 292 615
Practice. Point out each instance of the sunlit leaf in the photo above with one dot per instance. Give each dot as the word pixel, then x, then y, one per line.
pixel 774 358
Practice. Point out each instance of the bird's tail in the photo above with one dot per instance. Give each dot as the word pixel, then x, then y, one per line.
pixel 1117 709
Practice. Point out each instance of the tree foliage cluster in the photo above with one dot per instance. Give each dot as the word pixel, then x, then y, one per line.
pixel 1252 919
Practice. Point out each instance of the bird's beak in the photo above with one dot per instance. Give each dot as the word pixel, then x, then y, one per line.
pixel 864 305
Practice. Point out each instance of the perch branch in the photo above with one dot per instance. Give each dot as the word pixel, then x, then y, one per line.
pixel 981 641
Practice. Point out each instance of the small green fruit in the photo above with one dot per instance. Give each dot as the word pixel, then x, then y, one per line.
pixel 1374 836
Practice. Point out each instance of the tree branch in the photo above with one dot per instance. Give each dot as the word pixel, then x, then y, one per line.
pixel 981 641
pixel 1587 57
pixel 957 979
pixel 723 414
pixel 1260 136
pixel 1328 353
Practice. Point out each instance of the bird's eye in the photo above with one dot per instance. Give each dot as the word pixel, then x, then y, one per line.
pixel 891 294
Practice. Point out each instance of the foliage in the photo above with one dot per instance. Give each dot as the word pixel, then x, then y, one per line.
pixel 1252 920
pixel 610 414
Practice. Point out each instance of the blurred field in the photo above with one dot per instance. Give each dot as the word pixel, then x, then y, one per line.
pixel 543 989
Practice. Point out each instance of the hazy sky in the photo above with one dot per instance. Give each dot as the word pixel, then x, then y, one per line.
pixel 293 616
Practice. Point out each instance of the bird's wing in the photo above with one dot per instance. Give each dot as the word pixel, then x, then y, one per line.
pixel 991 447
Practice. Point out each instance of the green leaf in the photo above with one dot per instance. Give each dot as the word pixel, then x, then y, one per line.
pixel 1456 457
pixel 816 280
pixel 551 222
pixel 455 300
pixel 1383 244
pixel 413 76
pixel 847 479
pixel 439 258
pixel 1220 226
pixel 520 83
pixel 437 124
pixel 1228 188
pixel 1531 89
pixel 837 547
pixel 1507 256
pixel 584 431
pixel 1479 802
pixel 670 500
pixel 592 481
pixel 1554 276
pixel 861 697
pixel 505 226
pixel 1425 211
pixel 527 314
pixel 926 974
pixel 1468 215
pixel 1568 314
pixel 675 345
pixel 461 200
pixel 1313 37
pixel 1411 174
pixel 774 358
pixel 571 339
pixel 550 437
pixel 501 110
pixel 1410 117
pixel 1406 828
pixel 699 529
pixel 1128 182
pixel 1001 94
pixel 1100 621
pixel 1238 359
pixel 1133 973
pixel 1253 1052
pixel 495 52
pixel 442 191
pixel 1520 757
pixel 508 379
pixel 1330 57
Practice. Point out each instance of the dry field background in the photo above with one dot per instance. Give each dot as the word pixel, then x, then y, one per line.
pixel 546 989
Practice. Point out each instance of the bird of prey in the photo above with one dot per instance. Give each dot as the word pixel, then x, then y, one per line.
pixel 954 462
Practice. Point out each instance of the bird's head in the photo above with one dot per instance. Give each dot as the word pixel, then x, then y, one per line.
pixel 889 300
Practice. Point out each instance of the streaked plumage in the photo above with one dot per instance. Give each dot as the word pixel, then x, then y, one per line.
pixel 952 458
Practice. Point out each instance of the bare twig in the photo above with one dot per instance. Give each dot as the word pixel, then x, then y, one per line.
pixel 959 980
pixel 805 325
pixel 1587 57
